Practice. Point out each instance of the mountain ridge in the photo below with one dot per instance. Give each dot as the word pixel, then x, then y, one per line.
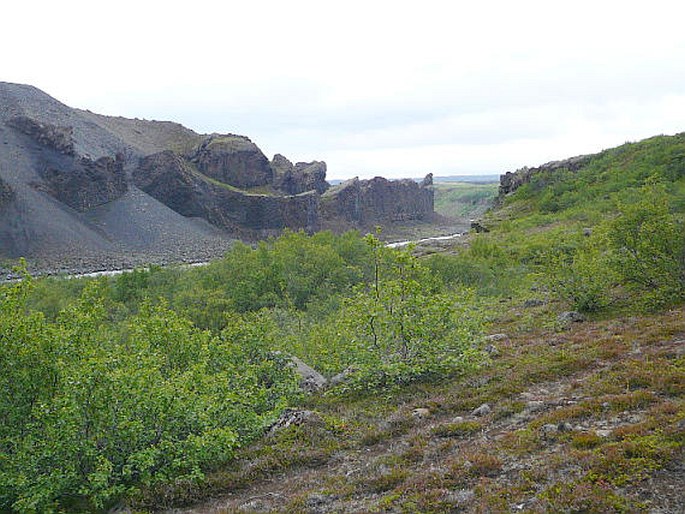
pixel 77 192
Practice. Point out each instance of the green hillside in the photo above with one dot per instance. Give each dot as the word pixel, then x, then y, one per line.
pixel 462 199
pixel 536 367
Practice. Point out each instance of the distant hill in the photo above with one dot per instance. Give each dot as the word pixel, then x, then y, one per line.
pixel 474 179
pixel 82 191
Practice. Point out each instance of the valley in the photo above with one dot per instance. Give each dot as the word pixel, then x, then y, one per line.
pixel 533 361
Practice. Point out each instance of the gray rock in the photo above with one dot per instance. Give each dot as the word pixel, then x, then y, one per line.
pixel 565 427
pixel 421 413
pixel 483 410
pixel 310 379
pixel 458 419
pixel 497 337
pixel 571 317
pixel 491 350
pixel 317 502
pixel 294 417
pixel 462 496
pixel 549 428
pixel 533 302
pixel 603 433
pixel 341 377
pixel 477 226
pixel 535 405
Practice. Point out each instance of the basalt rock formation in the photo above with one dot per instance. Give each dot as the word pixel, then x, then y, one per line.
pixel 79 187
pixel 511 181
pixel 378 201
pixel 233 160
pixel 297 178
pixel 57 138
pixel 172 180
pixel 6 193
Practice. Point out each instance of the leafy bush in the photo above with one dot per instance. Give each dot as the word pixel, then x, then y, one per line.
pixel 92 410
pixel 400 327
pixel 641 249
pixel 648 245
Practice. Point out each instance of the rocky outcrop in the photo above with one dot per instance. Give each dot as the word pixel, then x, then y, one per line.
pixel 167 177
pixel 82 183
pixel 193 191
pixel 172 180
pixel 180 184
pixel 79 182
pixel 57 138
pixel 511 181
pixel 233 160
pixel 369 202
pixel 6 193
pixel 303 176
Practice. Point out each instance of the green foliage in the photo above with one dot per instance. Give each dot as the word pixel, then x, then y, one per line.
pixel 93 410
pixel 464 200
pixel 641 249
pixel 582 275
pixel 400 327
pixel 648 244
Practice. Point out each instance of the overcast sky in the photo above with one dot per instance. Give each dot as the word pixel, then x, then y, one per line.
pixel 388 88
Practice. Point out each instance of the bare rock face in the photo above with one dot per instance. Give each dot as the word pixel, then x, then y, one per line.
pixel 84 183
pixel 511 181
pixel 170 179
pixel 233 160
pixel 379 200
pixel 57 138
pixel 79 182
pixel 299 178
pixel 6 193
pixel 311 176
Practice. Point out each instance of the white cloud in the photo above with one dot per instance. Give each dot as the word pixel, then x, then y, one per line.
pixel 379 87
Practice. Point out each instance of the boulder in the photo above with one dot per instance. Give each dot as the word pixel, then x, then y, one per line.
pixel 483 410
pixel 341 377
pixel 421 413
pixel 310 379
pixel 478 227
pixel 290 417
pixel 571 317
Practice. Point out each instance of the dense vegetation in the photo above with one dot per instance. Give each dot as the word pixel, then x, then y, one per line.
pixel 114 386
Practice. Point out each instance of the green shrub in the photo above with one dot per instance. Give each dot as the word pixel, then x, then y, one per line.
pixel 401 328
pixel 648 245
pixel 92 410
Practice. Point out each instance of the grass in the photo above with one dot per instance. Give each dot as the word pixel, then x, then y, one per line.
pixel 374 454
pixel 463 200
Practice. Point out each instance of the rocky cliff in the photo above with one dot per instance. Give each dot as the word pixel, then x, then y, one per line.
pixel 233 160
pixel 379 201
pixel 79 187
pixel 297 178
pixel 6 193
pixel 511 181
pixel 172 180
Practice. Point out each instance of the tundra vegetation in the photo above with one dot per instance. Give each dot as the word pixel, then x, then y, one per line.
pixel 155 388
